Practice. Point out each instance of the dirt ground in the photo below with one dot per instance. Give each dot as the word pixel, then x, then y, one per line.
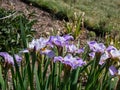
pixel 46 23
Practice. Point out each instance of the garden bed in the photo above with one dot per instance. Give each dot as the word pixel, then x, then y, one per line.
pixel 60 56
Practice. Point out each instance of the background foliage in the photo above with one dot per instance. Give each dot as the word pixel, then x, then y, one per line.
pixel 10 33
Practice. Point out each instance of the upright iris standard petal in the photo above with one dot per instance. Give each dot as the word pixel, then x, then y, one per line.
pixel 9 59
pixel 113 71
pixel 50 42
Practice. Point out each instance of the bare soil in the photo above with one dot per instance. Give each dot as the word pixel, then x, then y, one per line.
pixel 45 21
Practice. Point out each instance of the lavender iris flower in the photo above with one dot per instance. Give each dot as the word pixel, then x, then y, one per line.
pixel 74 62
pixel 56 40
pixel 59 40
pixel 113 71
pixel 9 59
pixel 38 43
pixel 68 59
pixel 96 47
pixel 110 52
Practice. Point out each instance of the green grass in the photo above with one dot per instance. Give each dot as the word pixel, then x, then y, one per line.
pixel 100 15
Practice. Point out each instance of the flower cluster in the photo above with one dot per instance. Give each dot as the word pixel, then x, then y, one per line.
pixel 96 47
pixel 45 46
pixel 106 53
pixel 41 44
pixel 59 41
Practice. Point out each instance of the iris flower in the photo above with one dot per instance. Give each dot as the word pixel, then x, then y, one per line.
pixel 41 46
pixel 109 52
pixel 96 47
pixel 59 40
pixel 73 62
pixel 38 43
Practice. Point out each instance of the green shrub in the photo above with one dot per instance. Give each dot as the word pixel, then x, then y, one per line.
pixel 10 33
